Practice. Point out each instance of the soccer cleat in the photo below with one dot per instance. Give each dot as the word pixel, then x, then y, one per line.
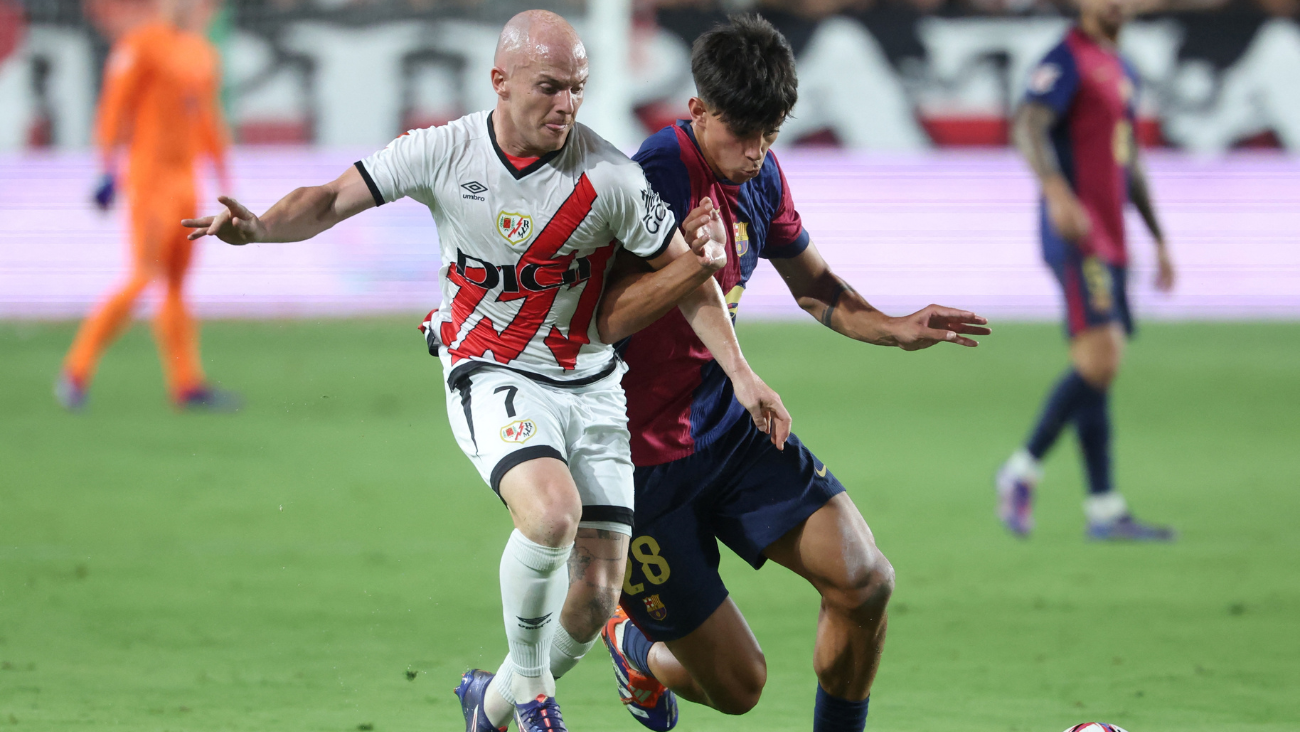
pixel 209 399
pixel 539 715
pixel 1127 528
pixel 70 392
pixel 1016 481
pixel 650 702
pixel 472 689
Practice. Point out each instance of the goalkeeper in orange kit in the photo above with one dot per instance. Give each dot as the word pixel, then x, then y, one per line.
pixel 159 101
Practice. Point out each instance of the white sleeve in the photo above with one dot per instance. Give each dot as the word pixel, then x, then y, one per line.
pixel 407 167
pixel 641 222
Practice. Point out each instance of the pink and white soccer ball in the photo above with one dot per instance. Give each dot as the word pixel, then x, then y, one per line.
pixel 1096 727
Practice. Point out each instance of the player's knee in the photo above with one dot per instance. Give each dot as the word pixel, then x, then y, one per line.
pixel 548 512
pixel 866 587
pixel 1099 371
pixel 744 687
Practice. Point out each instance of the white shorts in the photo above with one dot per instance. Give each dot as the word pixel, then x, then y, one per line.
pixel 502 418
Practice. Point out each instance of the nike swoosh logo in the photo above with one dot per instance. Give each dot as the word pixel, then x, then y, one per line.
pixel 821 472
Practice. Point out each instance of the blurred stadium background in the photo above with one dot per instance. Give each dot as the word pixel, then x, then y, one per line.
pixel 326 559
pixel 897 147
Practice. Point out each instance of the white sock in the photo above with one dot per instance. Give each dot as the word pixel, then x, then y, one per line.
pixel 499 700
pixel 1105 508
pixel 566 651
pixel 1023 465
pixel 534 582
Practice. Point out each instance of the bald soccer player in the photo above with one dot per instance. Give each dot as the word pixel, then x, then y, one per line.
pixel 160 101
pixel 531 208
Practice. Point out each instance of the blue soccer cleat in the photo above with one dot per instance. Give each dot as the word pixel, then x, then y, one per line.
pixel 1016 482
pixel 70 393
pixel 539 715
pixel 473 687
pixel 650 702
pixel 209 399
pixel 1127 528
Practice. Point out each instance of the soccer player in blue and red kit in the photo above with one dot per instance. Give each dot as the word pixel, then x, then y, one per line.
pixel 1075 128
pixel 704 471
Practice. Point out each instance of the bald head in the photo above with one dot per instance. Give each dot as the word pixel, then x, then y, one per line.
pixel 539 75
pixel 538 35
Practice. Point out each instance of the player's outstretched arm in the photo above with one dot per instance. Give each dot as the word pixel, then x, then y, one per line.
pixel 1139 191
pixel 638 295
pixel 839 307
pixel 302 214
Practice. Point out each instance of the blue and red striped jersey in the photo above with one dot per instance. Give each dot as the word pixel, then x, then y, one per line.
pixel 678 398
pixel 1094 94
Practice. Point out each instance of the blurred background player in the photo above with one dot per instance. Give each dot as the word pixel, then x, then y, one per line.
pixel 703 472
pixel 1075 128
pixel 160 101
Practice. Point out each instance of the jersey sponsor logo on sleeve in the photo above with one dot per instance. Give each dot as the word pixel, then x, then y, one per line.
pixel 514 227
pixel 741 231
pixel 1043 78
pixel 655 211
pixel 519 431
pixel 821 472
pixel 474 189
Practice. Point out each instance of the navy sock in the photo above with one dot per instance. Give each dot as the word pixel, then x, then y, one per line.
pixel 637 647
pixel 1060 406
pixel 1092 422
pixel 833 714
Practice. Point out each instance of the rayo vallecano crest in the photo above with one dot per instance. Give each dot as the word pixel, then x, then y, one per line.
pixel 515 227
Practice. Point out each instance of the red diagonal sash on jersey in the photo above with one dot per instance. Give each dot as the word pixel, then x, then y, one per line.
pixel 566 349
pixel 541 264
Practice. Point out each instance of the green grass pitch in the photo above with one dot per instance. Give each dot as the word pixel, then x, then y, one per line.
pixel 326 560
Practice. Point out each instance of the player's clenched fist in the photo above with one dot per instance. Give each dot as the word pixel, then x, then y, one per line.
pixel 706 235
pixel 234 225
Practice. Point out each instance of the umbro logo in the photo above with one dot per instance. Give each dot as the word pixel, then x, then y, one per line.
pixel 533 623
pixel 474 188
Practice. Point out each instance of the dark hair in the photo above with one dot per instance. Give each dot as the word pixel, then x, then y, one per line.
pixel 744 72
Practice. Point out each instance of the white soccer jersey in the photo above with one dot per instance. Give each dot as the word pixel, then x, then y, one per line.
pixel 524 252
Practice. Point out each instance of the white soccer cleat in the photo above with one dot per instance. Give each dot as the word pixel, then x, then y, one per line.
pixel 1016 482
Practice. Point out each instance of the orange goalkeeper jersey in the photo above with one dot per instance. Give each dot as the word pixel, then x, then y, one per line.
pixel 160 99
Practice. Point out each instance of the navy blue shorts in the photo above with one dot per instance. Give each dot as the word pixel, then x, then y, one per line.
pixel 740 489
pixel 1096 291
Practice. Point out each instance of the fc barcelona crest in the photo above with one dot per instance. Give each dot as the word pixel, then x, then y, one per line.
pixel 655 607
pixel 514 227
pixel 741 231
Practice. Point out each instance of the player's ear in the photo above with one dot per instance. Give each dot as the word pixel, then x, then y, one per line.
pixel 699 113
pixel 499 83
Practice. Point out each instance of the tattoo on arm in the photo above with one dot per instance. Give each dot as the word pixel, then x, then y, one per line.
pixel 829 312
pixel 1032 135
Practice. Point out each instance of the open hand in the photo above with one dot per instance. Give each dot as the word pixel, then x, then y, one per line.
pixel 937 324
pixel 706 235
pixel 234 225
pixel 765 408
